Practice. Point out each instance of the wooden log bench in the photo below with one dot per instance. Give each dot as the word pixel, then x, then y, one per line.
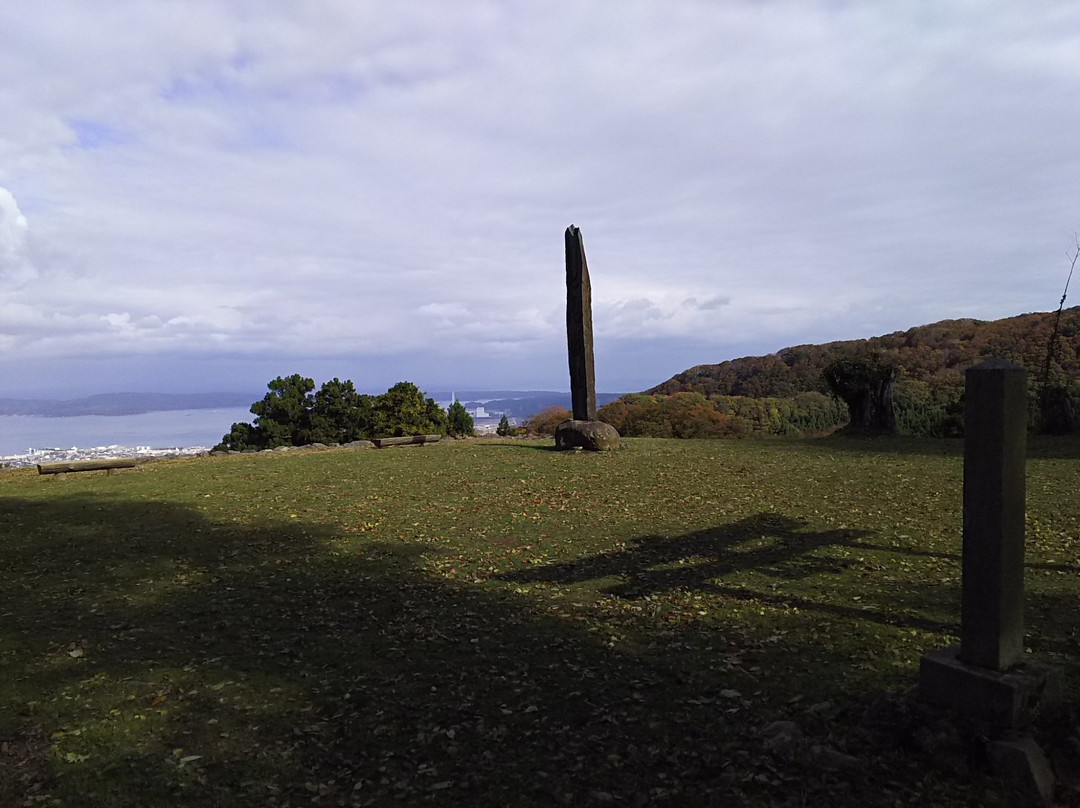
pixel 407 440
pixel 108 465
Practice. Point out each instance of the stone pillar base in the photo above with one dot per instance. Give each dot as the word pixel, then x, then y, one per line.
pixel 1006 699
pixel 595 436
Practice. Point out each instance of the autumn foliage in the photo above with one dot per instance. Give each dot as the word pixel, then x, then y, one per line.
pixel 930 362
pixel 694 415
pixel 545 421
pixel 934 355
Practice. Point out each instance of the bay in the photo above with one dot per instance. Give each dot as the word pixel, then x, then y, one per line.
pixel 158 430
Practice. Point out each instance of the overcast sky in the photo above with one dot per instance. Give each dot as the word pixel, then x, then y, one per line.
pixel 205 195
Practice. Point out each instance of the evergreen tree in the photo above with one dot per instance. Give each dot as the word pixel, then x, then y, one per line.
pixel 403 410
pixel 283 417
pixel 289 415
pixel 242 436
pixel 504 429
pixel 458 420
pixel 436 417
pixel 339 414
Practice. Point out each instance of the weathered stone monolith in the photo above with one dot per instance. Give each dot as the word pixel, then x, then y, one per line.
pixel 988 674
pixel 583 431
pixel 579 337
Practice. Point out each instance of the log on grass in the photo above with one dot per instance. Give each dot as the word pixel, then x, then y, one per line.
pixel 105 464
pixel 407 440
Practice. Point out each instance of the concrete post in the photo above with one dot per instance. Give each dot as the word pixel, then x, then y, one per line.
pixel 995 440
pixel 988 676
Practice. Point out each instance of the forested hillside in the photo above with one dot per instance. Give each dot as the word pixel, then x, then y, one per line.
pixel 934 355
pixel 930 359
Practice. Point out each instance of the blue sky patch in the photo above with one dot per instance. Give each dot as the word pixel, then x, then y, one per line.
pixel 95 135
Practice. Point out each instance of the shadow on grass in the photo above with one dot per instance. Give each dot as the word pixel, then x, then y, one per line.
pixel 1039 447
pixel 1052 626
pixel 890 444
pixel 778 545
pixel 152 656
pixel 509 444
pixel 957 558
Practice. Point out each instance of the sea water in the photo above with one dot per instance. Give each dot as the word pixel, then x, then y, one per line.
pixel 159 430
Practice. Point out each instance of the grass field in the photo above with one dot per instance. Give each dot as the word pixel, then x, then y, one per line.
pixel 490 622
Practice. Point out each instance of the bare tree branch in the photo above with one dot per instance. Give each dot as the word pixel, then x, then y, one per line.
pixel 1052 345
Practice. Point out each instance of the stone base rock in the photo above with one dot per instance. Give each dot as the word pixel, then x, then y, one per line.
pixel 1006 699
pixel 596 436
pixel 1022 763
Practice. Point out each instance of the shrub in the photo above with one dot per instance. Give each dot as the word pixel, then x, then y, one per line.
pixel 545 421
pixel 688 414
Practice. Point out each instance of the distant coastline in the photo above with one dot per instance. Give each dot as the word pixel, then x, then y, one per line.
pixel 170 423
pixel 124 404
pixel 515 403
pixel 22 435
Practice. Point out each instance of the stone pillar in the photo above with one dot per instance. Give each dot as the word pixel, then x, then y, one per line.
pixel 988 675
pixel 583 431
pixel 579 337
pixel 995 441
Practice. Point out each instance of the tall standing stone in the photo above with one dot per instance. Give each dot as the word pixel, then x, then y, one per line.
pixel 988 675
pixel 579 336
pixel 583 431
pixel 995 430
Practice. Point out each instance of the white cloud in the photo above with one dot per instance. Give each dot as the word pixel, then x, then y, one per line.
pixel 379 180
pixel 16 266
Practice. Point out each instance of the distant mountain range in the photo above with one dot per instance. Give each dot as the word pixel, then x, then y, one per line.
pixel 515 403
pixel 931 359
pixel 124 404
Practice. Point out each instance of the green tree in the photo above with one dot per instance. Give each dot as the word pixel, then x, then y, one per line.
pixel 436 417
pixel 458 420
pixel 865 384
pixel 289 415
pixel 241 437
pixel 403 410
pixel 339 414
pixel 283 417
pixel 1059 409
pixel 504 429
